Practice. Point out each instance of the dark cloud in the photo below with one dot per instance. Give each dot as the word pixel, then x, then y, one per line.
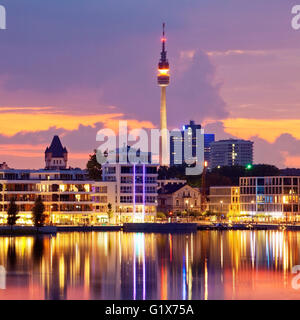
pixel 104 53
pixel 110 48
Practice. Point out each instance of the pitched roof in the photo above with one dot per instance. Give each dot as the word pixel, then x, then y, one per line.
pixel 171 188
pixel 56 148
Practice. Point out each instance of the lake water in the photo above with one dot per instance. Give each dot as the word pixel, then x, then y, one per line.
pixel 117 265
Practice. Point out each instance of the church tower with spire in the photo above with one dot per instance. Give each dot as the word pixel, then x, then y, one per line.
pixel 56 156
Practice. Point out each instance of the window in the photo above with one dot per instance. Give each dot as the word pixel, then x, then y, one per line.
pixel 126 189
pixel 139 199
pixel 287 181
pixel 110 170
pixel 139 169
pixel 126 179
pixel 126 169
pixel 151 170
pixel 126 199
pixel 260 181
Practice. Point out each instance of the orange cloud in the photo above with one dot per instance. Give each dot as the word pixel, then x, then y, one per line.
pixel 22 150
pixel 12 123
pixel 268 129
pixel 36 151
pixel 291 161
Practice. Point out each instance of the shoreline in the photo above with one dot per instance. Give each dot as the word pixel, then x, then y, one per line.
pixel 144 228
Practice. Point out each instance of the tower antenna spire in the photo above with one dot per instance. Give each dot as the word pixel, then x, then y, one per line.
pixel 163 54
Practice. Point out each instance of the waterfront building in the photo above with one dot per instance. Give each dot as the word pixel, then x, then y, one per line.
pixel 68 195
pixel 135 190
pixel 177 143
pixel 127 193
pixel 231 152
pixel 274 197
pixel 224 200
pixel 176 198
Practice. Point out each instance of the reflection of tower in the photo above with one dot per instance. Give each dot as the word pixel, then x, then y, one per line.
pixel 163 80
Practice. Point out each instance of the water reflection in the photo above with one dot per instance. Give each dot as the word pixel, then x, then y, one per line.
pixel 101 265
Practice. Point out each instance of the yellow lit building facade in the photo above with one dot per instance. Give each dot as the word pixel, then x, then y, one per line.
pixel 274 197
pixel 224 200
pixel 69 197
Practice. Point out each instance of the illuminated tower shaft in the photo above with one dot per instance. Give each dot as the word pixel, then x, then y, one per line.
pixel 163 127
pixel 163 80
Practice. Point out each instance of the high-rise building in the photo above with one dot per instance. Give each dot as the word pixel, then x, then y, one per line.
pixel 163 80
pixel 177 143
pixel 208 139
pixel 231 152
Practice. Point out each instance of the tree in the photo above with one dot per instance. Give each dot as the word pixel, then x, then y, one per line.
pixel 160 215
pixel 263 170
pixel 93 167
pixel 38 215
pixel 12 213
pixel 109 212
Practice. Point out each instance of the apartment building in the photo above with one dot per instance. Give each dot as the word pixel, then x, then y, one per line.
pixel 275 197
pixel 127 192
pixel 231 152
pixel 135 190
pixel 68 195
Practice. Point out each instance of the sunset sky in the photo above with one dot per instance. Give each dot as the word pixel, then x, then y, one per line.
pixel 74 67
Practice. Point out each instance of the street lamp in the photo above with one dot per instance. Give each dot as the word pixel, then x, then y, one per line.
pixel 221 202
pixel 192 207
pixel 51 222
pixel 252 202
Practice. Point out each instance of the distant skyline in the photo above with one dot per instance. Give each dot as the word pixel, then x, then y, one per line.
pixel 74 69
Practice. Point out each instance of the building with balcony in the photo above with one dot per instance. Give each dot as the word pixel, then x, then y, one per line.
pixel 135 190
pixel 127 192
pixel 274 197
pixel 68 195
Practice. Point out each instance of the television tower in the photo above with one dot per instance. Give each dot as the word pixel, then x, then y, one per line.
pixel 163 80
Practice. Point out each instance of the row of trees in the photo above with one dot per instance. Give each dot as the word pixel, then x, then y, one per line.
pixel 223 176
pixel 38 216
